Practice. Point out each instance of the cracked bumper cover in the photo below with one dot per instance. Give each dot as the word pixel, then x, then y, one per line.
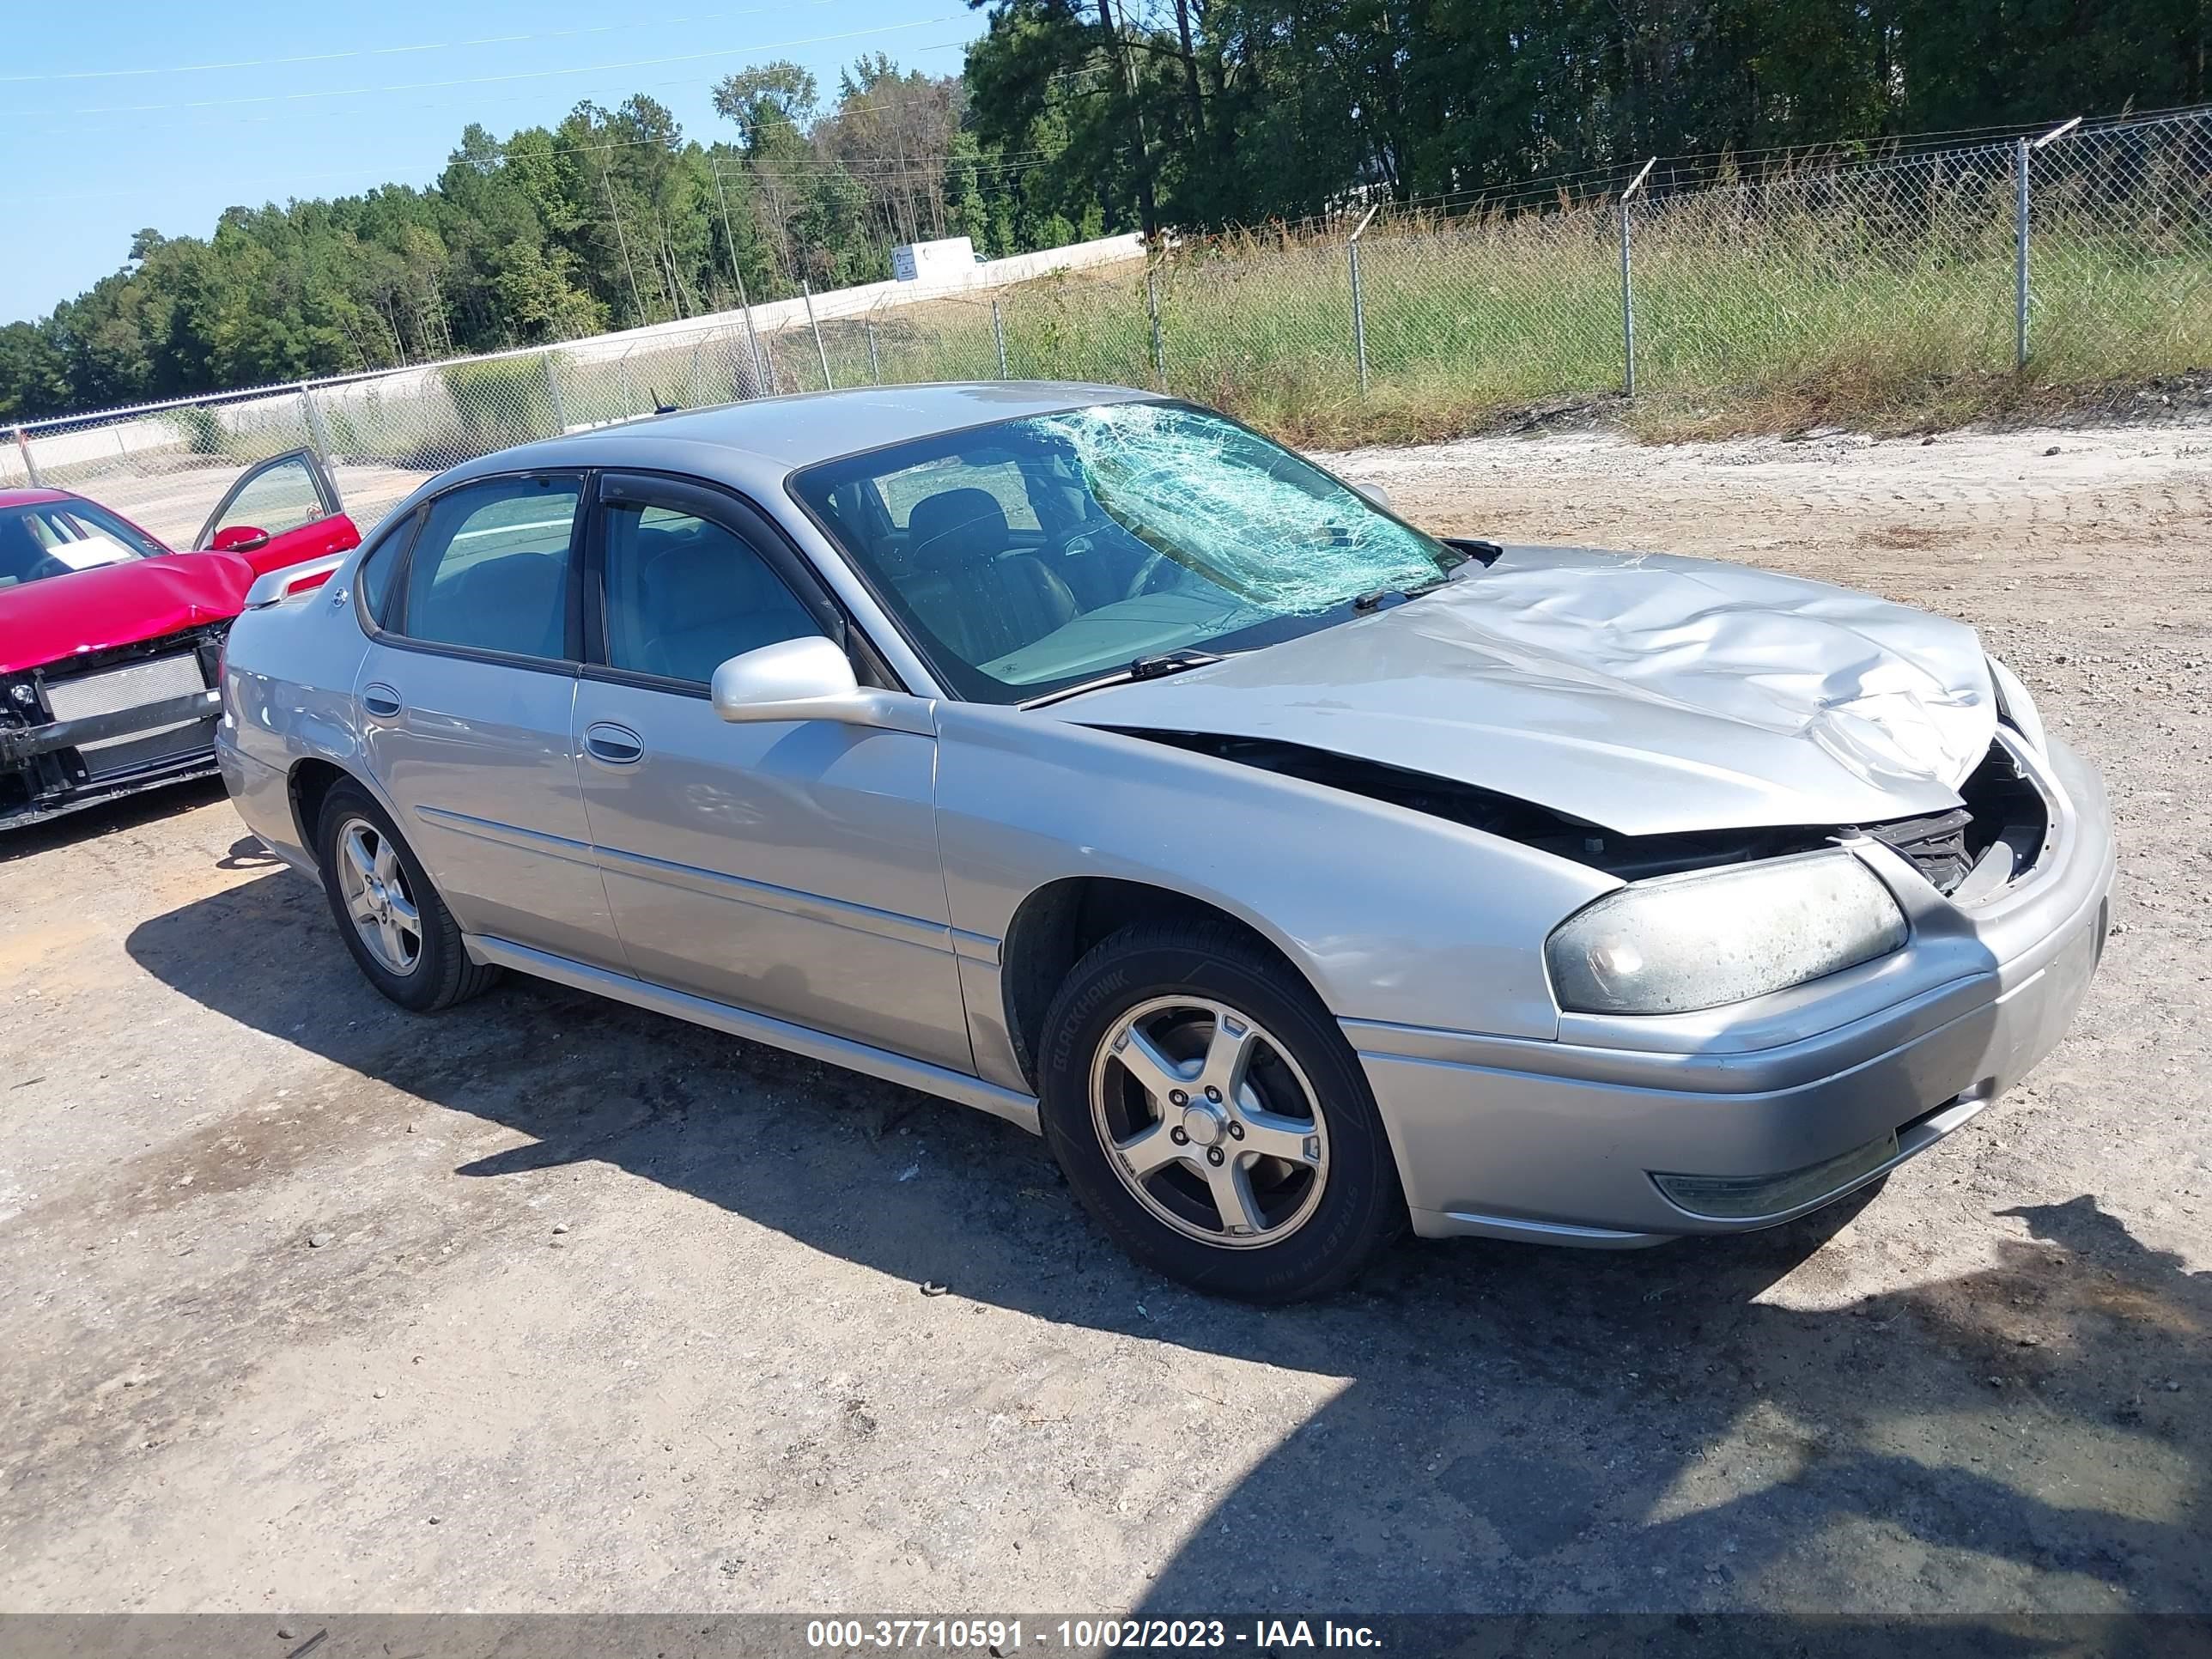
pixel 1560 1141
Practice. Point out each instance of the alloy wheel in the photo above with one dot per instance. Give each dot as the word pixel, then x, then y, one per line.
pixel 376 896
pixel 1209 1121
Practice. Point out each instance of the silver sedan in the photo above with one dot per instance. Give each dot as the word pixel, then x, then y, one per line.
pixel 1085 757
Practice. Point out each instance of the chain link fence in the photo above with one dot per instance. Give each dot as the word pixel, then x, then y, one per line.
pixel 2081 258
pixel 2119 250
pixel 1892 270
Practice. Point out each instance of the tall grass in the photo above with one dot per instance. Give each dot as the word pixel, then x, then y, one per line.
pixel 1880 297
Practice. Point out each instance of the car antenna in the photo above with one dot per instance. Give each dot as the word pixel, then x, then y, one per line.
pixel 659 408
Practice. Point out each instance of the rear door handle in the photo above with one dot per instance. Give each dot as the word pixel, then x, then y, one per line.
pixel 380 701
pixel 615 745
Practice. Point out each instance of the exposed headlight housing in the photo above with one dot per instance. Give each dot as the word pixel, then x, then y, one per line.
pixel 2014 707
pixel 1677 944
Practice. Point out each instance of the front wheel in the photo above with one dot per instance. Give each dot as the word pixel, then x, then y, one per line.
pixel 1211 1115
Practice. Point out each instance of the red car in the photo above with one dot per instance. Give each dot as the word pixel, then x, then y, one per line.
pixel 109 639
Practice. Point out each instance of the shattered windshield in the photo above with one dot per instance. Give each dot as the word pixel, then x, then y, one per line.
pixel 1035 553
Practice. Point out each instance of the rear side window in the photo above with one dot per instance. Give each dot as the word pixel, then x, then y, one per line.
pixel 490 567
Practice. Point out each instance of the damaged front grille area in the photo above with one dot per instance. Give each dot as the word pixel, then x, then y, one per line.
pixel 1935 844
pixel 1981 847
pixel 1968 852
pixel 58 745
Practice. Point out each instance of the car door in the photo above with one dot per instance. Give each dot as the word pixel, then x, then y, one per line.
pixel 786 867
pixel 280 512
pixel 465 697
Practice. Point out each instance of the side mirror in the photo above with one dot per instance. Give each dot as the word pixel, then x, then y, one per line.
pixel 810 679
pixel 1376 493
pixel 239 539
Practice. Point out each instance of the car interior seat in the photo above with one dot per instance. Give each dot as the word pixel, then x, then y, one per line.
pixel 515 602
pixel 970 584
pixel 705 597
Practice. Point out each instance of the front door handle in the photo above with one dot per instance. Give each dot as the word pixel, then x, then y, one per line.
pixel 380 701
pixel 614 746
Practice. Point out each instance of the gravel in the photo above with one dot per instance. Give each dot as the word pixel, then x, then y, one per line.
pixel 1476 1426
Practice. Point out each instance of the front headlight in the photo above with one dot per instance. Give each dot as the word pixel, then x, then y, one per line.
pixel 1680 943
pixel 2014 707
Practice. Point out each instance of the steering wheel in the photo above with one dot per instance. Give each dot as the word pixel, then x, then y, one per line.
pixel 1157 571
pixel 47 565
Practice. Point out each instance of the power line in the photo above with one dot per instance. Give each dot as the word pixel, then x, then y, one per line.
pixel 488 80
pixel 395 51
pixel 474 105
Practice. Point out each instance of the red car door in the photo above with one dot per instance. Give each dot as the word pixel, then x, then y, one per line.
pixel 279 512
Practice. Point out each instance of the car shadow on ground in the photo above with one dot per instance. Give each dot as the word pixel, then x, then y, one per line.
pixel 1517 1430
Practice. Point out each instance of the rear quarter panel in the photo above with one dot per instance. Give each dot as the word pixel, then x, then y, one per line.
pixel 287 681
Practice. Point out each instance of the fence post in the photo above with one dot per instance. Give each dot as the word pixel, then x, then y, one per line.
pixel 1359 300
pixel 820 350
pixel 998 338
pixel 317 435
pixel 875 363
pixel 2020 253
pixel 553 395
pixel 2021 150
pixel 1628 284
pixel 30 465
pixel 1160 352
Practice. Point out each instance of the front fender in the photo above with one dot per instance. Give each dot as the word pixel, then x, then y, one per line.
pixel 1391 915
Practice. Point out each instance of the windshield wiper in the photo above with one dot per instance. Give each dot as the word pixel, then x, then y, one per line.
pixel 1169 662
pixel 1144 668
pixel 1373 599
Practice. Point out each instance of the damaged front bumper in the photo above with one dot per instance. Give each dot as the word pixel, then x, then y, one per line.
pixel 1629 1130
pixel 94 730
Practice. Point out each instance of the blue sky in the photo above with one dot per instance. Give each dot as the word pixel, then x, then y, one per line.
pixel 205 116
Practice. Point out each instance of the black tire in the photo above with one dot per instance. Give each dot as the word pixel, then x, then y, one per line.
pixel 442 974
pixel 1361 1207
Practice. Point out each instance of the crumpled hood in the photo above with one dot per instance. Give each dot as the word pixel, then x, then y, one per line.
pixel 113 604
pixel 1644 693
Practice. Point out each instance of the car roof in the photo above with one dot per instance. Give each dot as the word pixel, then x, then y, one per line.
pixel 33 497
pixel 756 443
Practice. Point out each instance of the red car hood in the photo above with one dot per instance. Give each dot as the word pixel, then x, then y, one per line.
pixel 60 616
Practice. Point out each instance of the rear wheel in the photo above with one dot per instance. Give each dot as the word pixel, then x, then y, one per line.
pixel 402 936
pixel 1211 1115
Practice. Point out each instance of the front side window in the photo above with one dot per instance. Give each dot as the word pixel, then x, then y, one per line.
pixel 490 567
pixel 53 538
pixel 1034 553
pixel 684 595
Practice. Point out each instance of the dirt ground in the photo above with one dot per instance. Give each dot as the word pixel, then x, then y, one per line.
pixel 547 1304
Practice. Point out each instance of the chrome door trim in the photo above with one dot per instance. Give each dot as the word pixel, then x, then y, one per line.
pixel 812 906
pixel 976 947
pixel 1008 1104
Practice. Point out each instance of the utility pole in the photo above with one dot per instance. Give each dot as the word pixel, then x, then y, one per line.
pixel 1147 205
pixel 760 368
pixel 1190 71
pixel 621 241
